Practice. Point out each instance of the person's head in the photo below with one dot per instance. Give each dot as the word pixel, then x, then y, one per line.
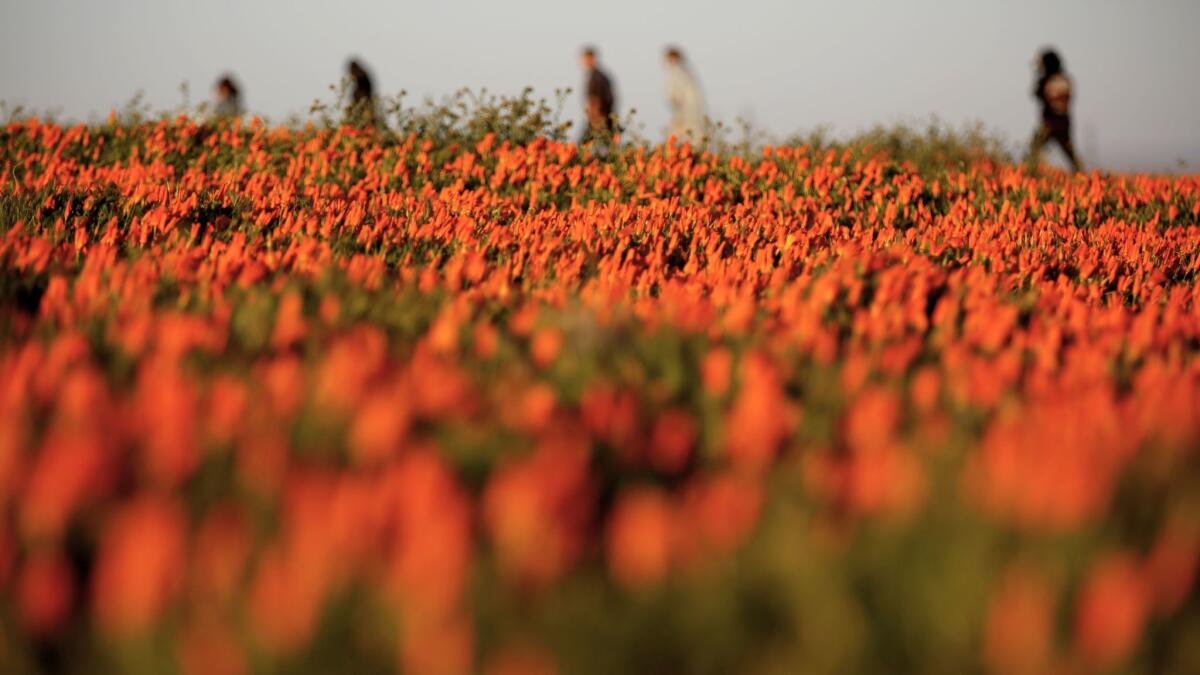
pixel 673 55
pixel 587 57
pixel 1049 62
pixel 226 88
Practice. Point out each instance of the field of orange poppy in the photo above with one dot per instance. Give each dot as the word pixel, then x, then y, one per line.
pixel 311 400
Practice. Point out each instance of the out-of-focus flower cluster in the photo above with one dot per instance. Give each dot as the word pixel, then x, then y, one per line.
pixel 325 401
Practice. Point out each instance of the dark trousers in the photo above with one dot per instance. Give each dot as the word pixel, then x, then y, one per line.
pixel 1057 129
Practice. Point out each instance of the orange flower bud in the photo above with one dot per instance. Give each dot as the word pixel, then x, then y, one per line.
pixel 638 541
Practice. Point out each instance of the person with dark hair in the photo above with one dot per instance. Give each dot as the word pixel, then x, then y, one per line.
pixel 229 98
pixel 600 101
pixel 362 95
pixel 1053 90
pixel 684 99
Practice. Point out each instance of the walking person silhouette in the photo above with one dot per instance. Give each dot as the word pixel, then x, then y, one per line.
pixel 1053 89
pixel 599 100
pixel 229 98
pixel 683 98
pixel 361 110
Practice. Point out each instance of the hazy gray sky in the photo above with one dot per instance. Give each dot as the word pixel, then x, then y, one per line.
pixel 788 66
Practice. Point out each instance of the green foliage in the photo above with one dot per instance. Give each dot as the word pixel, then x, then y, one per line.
pixel 932 147
pixel 465 117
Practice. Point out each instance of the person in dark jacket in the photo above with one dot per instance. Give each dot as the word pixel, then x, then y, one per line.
pixel 1053 90
pixel 362 95
pixel 599 100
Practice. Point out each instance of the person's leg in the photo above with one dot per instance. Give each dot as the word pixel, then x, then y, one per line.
pixel 1064 142
pixel 602 135
pixel 1040 137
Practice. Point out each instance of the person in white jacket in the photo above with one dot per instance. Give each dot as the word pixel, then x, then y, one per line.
pixel 684 99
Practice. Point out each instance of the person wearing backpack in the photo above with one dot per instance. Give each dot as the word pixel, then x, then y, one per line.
pixel 1053 89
